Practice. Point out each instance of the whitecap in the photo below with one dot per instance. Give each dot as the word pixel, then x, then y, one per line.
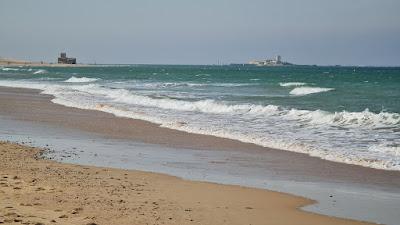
pixel 41 71
pixel 81 80
pixel 9 69
pixel 291 84
pixel 345 119
pixel 309 90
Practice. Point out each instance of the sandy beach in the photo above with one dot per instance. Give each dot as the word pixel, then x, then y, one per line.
pixel 39 191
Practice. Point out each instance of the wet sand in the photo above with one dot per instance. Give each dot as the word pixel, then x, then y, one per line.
pixel 38 191
pixel 28 104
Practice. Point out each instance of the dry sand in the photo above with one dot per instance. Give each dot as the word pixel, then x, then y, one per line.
pixel 39 191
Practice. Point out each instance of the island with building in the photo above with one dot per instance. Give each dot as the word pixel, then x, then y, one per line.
pixel 63 59
pixel 277 61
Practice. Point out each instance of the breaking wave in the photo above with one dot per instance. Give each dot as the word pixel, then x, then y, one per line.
pixel 40 72
pixel 9 69
pixel 344 118
pixel 309 90
pixel 291 84
pixel 81 80
pixel 181 84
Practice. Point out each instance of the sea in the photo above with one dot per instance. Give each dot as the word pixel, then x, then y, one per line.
pixel 343 114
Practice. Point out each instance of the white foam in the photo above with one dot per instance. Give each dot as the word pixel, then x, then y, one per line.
pixel 80 80
pixel 299 91
pixel 346 119
pixel 320 117
pixel 291 84
pixel 40 71
pixel 294 146
pixel 205 106
pixel 174 84
pixel 387 149
pixel 9 69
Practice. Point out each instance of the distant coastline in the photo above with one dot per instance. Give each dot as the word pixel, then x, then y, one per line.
pixel 16 62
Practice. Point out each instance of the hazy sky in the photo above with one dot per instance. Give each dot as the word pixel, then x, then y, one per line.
pixel 358 32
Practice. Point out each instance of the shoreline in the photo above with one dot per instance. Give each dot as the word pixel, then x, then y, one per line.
pixel 31 106
pixel 43 191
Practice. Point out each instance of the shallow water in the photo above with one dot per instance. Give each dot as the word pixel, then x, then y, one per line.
pixel 348 200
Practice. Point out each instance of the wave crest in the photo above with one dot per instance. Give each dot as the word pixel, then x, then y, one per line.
pixel 311 117
pixel 40 71
pixel 291 84
pixel 299 91
pixel 346 119
pixel 81 80
pixel 9 69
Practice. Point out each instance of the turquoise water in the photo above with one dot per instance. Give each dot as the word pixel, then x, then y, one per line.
pixel 345 114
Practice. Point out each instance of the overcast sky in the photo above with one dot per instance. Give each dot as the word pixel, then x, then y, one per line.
pixel 356 32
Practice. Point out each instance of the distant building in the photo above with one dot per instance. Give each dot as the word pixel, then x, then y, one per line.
pixel 63 59
pixel 277 61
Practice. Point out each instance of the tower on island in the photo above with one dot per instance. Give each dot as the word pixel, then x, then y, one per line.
pixel 278 59
pixel 63 59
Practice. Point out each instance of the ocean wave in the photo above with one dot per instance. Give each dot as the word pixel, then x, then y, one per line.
pixel 365 160
pixel 232 84
pixel 9 69
pixel 80 80
pixel 291 84
pixel 48 79
pixel 179 84
pixel 299 91
pixel 313 117
pixel 154 85
pixel 203 75
pixel 364 118
pixel 345 119
pixel 157 85
pixel 212 84
pixel 387 149
pixel 40 71
pixel 205 106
